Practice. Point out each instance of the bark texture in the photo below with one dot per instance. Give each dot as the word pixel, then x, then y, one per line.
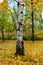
pixel 20 44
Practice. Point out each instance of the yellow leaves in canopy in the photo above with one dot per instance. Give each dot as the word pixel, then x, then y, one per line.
pixel 2 4
pixel 36 3
pixel 26 1
pixel 29 1
pixel 39 5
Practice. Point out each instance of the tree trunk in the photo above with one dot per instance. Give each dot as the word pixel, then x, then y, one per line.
pixel 20 44
pixel 8 35
pixel 2 33
pixel 32 21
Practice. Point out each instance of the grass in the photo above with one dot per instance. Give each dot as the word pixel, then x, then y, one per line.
pixel 33 53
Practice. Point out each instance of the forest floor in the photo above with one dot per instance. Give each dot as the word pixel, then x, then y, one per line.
pixel 33 53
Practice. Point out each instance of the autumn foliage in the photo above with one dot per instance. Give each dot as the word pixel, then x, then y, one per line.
pixel 33 53
pixel 3 4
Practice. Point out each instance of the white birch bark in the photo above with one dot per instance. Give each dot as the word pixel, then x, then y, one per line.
pixel 20 47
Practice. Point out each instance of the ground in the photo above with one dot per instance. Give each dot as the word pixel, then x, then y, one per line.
pixel 33 53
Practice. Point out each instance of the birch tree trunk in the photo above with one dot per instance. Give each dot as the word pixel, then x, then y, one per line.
pixel 20 44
